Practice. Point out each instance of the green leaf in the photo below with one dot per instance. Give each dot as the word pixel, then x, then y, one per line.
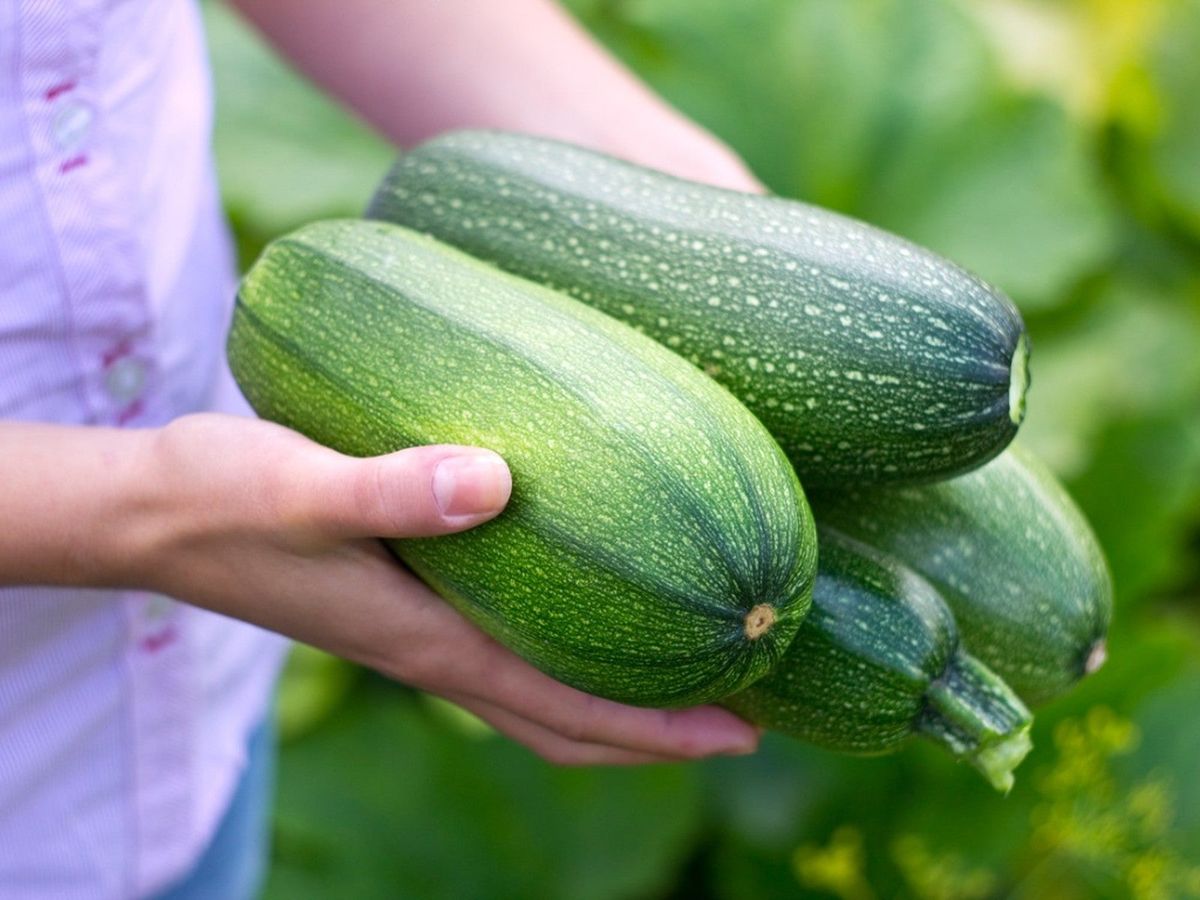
pixel 765 798
pixel 1167 752
pixel 1175 150
pixel 312 685
pixel 1014 195
pixel 893 111
pixel 1132 355
pixel 383 801
pixel 1142 494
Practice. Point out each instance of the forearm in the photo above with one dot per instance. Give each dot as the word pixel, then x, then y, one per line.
pixel 69 498
pixel 413 68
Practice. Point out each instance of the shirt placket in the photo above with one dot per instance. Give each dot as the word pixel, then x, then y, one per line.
pixel 110 327
pixel 105 296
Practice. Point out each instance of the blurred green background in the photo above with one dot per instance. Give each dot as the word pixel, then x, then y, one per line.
pixel 1054 147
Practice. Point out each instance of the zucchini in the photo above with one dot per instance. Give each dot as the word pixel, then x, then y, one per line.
pixel 657 548
pixel 878 661
pixel 1012 555
pixel 870 359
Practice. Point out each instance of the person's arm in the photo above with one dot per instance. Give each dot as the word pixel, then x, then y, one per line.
pixel 257 522
pixel 413 68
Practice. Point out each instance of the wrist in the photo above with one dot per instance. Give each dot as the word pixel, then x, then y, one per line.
pixel 182 494
pixel 77 493
pixel 139 526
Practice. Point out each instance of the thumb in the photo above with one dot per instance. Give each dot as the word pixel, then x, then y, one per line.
pixel 419 492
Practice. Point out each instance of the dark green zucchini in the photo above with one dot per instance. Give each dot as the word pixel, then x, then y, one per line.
pixel 870 359
pixel 878 661
pixel 657 548
pixel 1012 555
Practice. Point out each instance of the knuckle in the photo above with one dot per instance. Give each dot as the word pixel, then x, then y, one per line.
pixel 481 665
pixel 419 664
pixel 388 497
pixel 674 739
pixel 581 725
pixel 369 497
pixel 476 667
pixel 572 731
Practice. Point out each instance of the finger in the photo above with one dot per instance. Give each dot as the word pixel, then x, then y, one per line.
pixel 554 748
pixel 419 492
pixel 486 671
pixel 693 733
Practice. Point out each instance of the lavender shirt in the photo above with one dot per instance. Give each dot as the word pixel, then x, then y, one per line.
pixel 123 716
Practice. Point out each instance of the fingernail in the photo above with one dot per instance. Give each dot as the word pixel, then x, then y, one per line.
pixel 741 748
pixel 471 484
pixel 746 741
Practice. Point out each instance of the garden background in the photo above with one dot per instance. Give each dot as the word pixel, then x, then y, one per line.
pixel 1054 148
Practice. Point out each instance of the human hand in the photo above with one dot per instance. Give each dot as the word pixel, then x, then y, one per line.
pixel 255 521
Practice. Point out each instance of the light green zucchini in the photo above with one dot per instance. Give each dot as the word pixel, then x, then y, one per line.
pixel 870 359
pixel 657 549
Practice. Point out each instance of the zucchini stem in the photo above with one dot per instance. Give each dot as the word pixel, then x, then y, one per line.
pixel 1096 657
pixel 1018 380
pixel 973 713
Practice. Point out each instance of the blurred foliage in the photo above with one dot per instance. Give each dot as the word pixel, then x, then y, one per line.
pixel 892 111
pixel 286 154
pixel 1051 145
pixel 386 801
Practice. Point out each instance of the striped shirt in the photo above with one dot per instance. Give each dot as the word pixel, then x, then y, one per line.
pixel 123 715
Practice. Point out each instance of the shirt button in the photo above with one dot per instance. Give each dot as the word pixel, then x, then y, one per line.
pixel 72 124
pixel 156 607
pixel 124 379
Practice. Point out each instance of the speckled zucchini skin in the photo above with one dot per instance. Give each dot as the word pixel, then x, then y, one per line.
pixel 651 514
pixel 878 661
pixel 1012 555
pixel 870 359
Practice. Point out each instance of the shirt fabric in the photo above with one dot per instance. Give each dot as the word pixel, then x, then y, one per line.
pixel 124 716
pixel 234 865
